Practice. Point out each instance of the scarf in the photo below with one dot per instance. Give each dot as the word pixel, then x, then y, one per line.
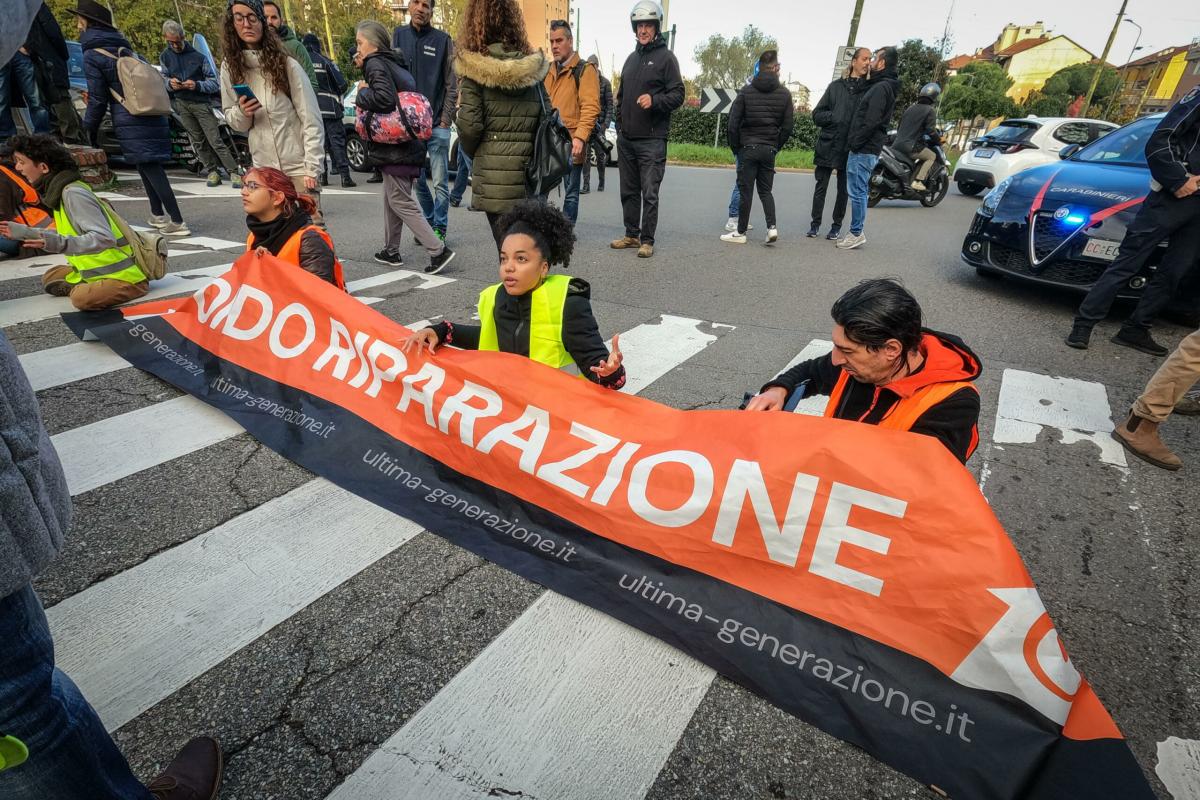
pixel 274 235
pixel 50 187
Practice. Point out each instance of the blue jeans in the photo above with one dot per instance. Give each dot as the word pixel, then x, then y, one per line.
pixel 9 247
pixel 735 199
pixel 859 167
pixel 21 70
pixel 461 176
pixel 570 184
pixel 437 212
pixel 71 756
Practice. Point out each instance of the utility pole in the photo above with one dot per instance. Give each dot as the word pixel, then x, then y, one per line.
pixel 577 33
pixel 858 4
pixel 328 32
pixel 1087 101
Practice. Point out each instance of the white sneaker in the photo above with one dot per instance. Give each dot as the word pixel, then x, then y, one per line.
pixel 851 241
pixel 158 222
pixel 175 229
pixel 731 225
pixel 918 186
pixel 733 237
pixel 772 235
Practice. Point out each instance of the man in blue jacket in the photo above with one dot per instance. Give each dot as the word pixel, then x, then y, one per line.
pixel 193 86
pixel 429 54
pixel 1170 212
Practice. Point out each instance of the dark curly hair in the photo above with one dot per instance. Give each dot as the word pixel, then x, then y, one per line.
pixel 552 233
pixel 487 22
pixel 272 57
pixel 42 148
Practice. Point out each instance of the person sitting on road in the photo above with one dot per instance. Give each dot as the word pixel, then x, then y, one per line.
pixel 886 370
pixel 19 202
pixel 528 298
pixel 100 271
pixel 280 222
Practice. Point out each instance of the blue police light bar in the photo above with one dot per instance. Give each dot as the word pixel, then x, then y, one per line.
pixel 1075 219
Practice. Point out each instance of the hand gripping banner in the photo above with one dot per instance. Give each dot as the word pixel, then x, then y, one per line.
pixel 854 576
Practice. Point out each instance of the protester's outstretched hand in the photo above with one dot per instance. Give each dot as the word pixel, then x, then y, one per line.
pixel 613 363
pixel 770 400
pixel 33 244
pixel 426 338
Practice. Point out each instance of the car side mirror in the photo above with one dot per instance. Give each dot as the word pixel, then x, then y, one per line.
pixel 1069 151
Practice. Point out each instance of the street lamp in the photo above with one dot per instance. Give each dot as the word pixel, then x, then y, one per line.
pixel 1121 81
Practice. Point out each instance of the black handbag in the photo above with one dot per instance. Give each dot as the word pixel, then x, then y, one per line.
pixel 551 159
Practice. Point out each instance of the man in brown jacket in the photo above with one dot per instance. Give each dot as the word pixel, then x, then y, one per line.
pixel 574 89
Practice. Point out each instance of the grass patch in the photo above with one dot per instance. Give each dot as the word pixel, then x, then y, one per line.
pixel 704 155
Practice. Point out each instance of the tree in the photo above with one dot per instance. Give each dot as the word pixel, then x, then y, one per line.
pixel 978 91
pixel 729 63
pixel 1063 88
pixel 919 65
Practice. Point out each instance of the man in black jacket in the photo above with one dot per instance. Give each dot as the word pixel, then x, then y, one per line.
pixel 833 116
pixel 917 131
pixel 651 89
pixel 48 48
pixel 331 88
pixel 1171 212
pixel 868 130
pixel 597 140
pixel 760 122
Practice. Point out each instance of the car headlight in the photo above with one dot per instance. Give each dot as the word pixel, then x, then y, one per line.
pixel 991 201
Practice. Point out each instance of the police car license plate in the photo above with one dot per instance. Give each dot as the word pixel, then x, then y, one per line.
pixel 984 153
pixel 1103 249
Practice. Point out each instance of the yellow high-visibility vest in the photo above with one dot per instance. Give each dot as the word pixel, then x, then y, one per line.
pixel 545 322
pixel 115 263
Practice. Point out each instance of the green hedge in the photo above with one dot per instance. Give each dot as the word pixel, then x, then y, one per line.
pixel 690 126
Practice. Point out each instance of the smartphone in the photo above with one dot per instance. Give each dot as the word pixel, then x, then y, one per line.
pixel 242 90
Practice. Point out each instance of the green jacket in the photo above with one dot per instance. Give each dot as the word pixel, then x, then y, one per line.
pixel 498 112
pixel 298 51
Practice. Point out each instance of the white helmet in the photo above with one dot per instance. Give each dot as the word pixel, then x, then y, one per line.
pixel 646 11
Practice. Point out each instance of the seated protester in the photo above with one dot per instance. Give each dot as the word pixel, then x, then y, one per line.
pixel 537 237
pixel 886 370
pixel 100 271
pixel 19 202
pixel 280 223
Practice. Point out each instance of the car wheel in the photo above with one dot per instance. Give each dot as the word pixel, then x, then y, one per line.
pixel 937 193
pixel 356 153
pixel 969 189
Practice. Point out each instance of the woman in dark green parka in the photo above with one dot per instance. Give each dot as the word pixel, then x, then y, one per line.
pixel 499 98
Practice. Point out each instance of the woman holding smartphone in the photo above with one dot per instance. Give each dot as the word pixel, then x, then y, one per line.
pixel 267 95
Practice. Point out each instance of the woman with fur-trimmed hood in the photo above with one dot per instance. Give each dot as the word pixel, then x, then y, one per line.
pixel 499 103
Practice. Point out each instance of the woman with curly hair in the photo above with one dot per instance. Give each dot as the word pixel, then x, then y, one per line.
pixel 280 222
pixel 500 102
pixel 274 103
pixel 547 318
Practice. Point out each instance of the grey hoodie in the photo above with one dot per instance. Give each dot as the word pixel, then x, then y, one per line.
pixel 35 504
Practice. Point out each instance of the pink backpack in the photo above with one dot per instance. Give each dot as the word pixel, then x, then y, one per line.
pixel 411 119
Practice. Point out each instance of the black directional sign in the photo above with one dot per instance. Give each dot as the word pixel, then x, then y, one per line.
pixel 716 101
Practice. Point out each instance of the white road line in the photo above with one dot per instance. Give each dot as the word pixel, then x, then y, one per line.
pixel 427 281
pixel 143 634
pixel 1079 410
pixel 814 406
pixel 69 363
pixel 211 243
pixel 535 712
pixel 15 268
pixel 44 306
pixel 1179 767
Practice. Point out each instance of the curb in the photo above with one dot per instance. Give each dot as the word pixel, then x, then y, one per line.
pixel 731 166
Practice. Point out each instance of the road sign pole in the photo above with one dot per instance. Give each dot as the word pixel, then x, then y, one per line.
pixel 717 130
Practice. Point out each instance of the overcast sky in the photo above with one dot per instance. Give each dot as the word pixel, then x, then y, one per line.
pixel 809 39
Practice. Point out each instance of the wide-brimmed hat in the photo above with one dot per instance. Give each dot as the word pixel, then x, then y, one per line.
pixel 93 11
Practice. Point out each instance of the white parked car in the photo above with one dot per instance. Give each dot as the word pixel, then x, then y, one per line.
pixel 1018 144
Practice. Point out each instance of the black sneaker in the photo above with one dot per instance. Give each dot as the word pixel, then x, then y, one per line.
pixel 348 182
pixel 324 179
pixel 439 262
pixel 834 233
pixel 376 177
pixel 1139 339
pixel 389 257
pixel 1079 336
pixel 814 230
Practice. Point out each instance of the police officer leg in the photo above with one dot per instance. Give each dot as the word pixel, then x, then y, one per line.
pixel 1182 252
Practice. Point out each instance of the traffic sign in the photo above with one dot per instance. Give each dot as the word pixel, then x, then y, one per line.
pixel 842 60
pixel 717 101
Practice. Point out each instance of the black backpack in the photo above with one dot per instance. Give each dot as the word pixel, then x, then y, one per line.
pixel 551 159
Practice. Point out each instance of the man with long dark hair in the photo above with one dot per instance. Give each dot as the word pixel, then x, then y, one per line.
pixel 832 116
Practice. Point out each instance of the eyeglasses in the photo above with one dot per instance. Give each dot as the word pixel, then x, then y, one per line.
pixel 251 186
pixel 246 19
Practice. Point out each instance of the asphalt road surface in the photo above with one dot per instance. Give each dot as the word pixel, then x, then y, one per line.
pixel 459 679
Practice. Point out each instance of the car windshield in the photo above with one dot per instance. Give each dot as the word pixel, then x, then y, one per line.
pixel 1011 131
pixel 1125 146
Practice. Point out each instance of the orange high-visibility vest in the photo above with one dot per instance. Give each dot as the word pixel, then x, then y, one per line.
pixel 908 410
pixel 290 252
pixel 29 213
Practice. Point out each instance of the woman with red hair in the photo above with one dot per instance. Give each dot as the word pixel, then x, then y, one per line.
pixel 280 223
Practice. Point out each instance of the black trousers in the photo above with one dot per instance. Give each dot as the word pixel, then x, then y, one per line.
pixel 642 163
pixel 756 168
pixel 595 144
pixel 494 223
pixel 335 146
pixel 839 203
pixel 1161 216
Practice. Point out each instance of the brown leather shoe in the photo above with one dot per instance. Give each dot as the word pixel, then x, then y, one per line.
pixel 1140 437
pixel 624 243
pixel 195 774
pixel 646 250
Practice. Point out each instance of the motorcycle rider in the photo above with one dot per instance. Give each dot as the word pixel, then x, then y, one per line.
pixel 917 132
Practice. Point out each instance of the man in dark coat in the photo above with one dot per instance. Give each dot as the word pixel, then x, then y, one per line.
pixel 760 122
pixel 331 88
pixel 833 116
pixel 47 47
pixel 868 130
pixel 597 141
pixel 651 89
